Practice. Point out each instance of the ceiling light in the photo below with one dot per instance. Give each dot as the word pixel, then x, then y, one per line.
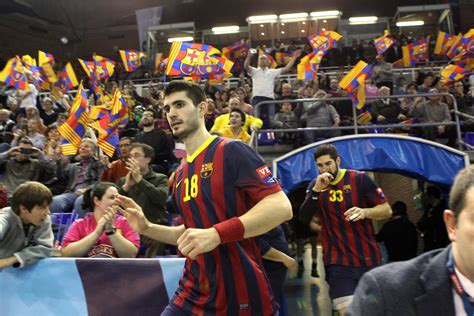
pixel 293 17
pixel 302 31
pixel 323 29
pixel 326 14
pixel 363 19
pixel 303 22
pixel 282 32
pixel 411 23
pixel 262 18
pixel 325 21
pixel 262 34
pixel 283 24
pixel 180 39
pixel 226 29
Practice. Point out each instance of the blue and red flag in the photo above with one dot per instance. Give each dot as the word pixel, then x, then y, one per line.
pixel 354 83
pixel 444 41
pixel 308 67
pixel 283 58
pixel 74 129
pixel 14 74
pixel 196 60
pixel 324 41
pixel 452 73
pixel 44 58
pixel 383 42
pixel 131 59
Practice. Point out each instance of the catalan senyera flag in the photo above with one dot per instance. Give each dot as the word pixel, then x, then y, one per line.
pixel 283 58
pixel 324 41
pixel 383 42
pixel 354 83
pixel 74 128
pixel 45 58
pixel 14 74
pixel 443 43
pixel 196 60
pixel 364 118
pixel 308 67
pixel 131 59
pixel 452 73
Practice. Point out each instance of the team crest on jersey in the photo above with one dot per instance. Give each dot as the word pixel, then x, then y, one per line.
pixel 347 189
pixel 206 170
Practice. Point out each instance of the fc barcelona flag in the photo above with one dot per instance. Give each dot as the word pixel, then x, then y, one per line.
pixel 409 59
pixel 452 73
pixel 14 74
pixel 74 128
pixel 131 59
pixel 309 65
pixel 67 79
pixel 354 83
pixel 324 41
pixel 236 50
pixel 44 58
pixel 283 58
pixel 104 67
pixel 443 43
pixel 196 60
pixel 383 42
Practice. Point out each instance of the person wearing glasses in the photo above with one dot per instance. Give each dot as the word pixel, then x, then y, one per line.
pixel 148 189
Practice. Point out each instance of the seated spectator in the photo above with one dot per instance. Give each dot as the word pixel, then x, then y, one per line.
pixel 25 227
pixel 434 111
pixel 148 189
pixel 399 234
pixel 235 128
pixel 211 114
pixel 409 102
pixel 286 92
pixel 81 176
pixel 385 110
pixel 104 233
pixel 47 113
pixel 118 168
pixel 17 165
pixel 286 118
pixel 321 114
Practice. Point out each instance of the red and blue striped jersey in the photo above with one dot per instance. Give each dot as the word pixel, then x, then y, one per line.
pixel 223 179
pixel 345 242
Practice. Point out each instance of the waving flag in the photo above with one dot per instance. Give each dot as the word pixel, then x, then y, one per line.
pixel 409 59
pixel 131 59
pixel 44 58
pixel 354 83
pixel 308 67
pixel 28 61
pixel 283 58
pixel 383 42
pixel 196 60
pixel 463 46
pixel 14 74
pixel 67 79
pixel 452 73
pixel 74 128
pixel 104 67
pixel 236 50
pixel 443 43
pixel 109 119
pixel 324 41
pixel 420 49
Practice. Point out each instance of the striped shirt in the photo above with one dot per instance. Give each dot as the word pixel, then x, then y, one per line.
pixel 221 180
pixel 345 242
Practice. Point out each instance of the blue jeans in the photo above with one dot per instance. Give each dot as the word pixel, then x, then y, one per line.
pixel 65 203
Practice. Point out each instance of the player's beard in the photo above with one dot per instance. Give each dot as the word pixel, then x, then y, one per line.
pixel 334 174
pixel 188 130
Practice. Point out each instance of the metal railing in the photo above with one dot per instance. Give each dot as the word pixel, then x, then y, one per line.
pixel 356 126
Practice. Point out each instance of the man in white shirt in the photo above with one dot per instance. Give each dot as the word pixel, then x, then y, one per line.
pixel 263 82
pixel 28 98
pixel 440 282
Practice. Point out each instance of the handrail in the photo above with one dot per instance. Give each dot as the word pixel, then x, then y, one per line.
pixel 355 125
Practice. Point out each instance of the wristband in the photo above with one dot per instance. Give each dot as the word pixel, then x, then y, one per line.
pixel 110 231
pixel 314 195
pixel 230 230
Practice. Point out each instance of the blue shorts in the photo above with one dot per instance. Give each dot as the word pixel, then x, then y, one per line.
pixel 343 280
